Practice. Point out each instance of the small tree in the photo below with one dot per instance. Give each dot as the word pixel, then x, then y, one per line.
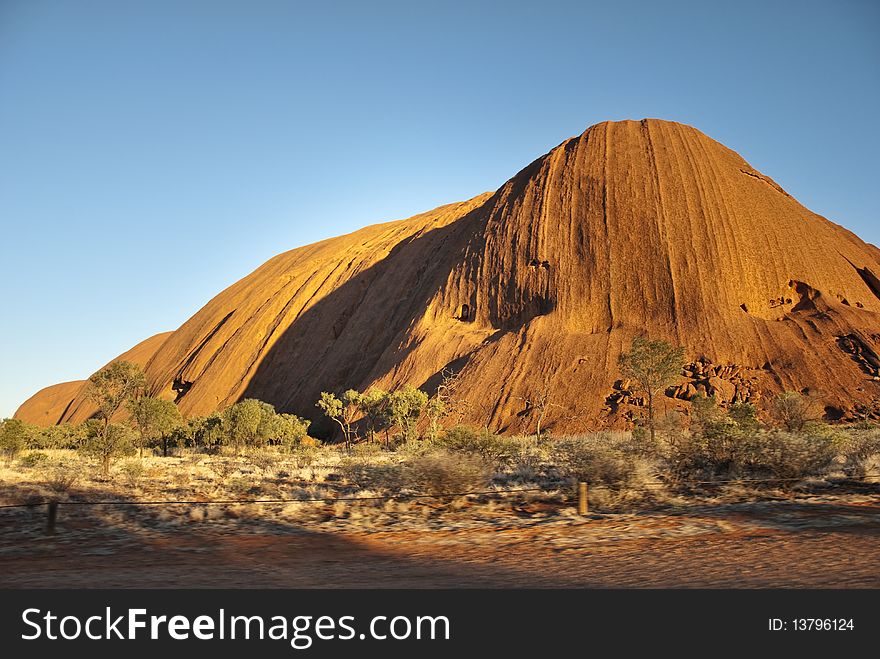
pixel 114 385
pixel 107 442
pixel 111 388
pixel 342 410
pixel 248 423
pixel 435 408
pixel 372 404
pixel 539 402
pixel 653 365
pixel 447 393
pixel 405 407
pixel 13 437
pixel 793 411
pixel 154 419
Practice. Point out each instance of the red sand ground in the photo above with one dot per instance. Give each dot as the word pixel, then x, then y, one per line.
pixel 819 542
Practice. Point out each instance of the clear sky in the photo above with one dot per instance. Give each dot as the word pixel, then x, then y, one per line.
pixel 154 152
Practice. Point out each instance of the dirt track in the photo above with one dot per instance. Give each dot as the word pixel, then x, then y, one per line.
pixel 815 543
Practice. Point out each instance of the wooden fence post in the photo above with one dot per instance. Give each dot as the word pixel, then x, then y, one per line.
pixel 53 514
pixel 583 506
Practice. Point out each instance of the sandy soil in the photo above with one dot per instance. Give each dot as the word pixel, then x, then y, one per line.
pixel 812 542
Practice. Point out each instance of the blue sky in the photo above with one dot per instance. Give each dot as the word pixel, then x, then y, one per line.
pixel 152 153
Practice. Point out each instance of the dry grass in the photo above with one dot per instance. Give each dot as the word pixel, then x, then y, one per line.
pixel 623 477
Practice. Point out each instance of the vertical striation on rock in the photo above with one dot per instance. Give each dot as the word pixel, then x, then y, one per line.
pixel 633 227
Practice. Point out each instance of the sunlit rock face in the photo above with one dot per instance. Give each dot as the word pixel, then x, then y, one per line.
pixel 634 227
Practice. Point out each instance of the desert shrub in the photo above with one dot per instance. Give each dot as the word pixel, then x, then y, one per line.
pixel 413 447
pixel 132 471
pixel 699 456
pixel 244 487
pixel 525 467
pixel 861 452
pixel 303 455
pixel 366 449
pixel 672 426
pixel 263 459
pixel 33 459
pixel 442 473
pixel 720 445
pixel 597 459
pixel 864 424
pixel 224 467
pixel 205 432
pixel 367 474
pixel 793 411
pixel 525 462
pixel 744 415
pixel 716 447
pixel 797 455
pixel 729 452
pixel 61 477
pixel 470 441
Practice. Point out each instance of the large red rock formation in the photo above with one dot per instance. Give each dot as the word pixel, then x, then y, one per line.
pixel 634 227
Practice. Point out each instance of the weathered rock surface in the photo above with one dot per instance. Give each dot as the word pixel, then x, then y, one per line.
pixel 49 406
pixel 633 227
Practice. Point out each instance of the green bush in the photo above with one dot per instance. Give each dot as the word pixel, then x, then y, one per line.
pixel 62 436
pixel 13 437
pixel 249 423
pixel 719 446
pixel 33 459
pixel 716 448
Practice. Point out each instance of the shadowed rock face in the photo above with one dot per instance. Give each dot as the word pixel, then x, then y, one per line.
pixel 631 228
